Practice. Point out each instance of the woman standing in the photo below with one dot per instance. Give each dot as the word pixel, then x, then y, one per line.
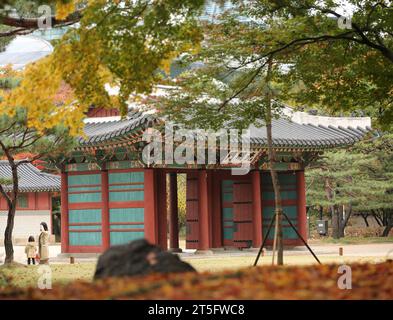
pixel 43 243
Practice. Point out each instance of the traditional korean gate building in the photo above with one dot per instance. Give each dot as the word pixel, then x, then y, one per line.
pixel 109 196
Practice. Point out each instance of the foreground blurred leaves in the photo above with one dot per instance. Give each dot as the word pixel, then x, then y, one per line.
pixel 369 281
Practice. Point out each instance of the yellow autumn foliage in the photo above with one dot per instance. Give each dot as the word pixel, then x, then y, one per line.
pixel 92 56
pixel 42 81
pixel 37 91
pixel 63 10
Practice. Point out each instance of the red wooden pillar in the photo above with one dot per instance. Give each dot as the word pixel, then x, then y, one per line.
pixel 173 214
pixel 64 212
pixel 301 204
pixel 151 233
pixel 204 217
pixel 257 208
pixel 210 206
pixel 161 209
pixel 216 210
pixel 105 209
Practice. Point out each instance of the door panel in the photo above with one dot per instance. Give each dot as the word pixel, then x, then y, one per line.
pixel 242 214
pixel 289 199
pixel 192 216
pixel 227 212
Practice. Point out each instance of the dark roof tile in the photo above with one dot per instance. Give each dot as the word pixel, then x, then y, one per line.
pixel 30 178
pixel 286 133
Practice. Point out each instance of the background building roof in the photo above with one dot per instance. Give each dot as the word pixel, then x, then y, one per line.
pixel 30 178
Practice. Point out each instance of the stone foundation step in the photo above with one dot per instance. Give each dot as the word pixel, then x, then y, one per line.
pixel 78 255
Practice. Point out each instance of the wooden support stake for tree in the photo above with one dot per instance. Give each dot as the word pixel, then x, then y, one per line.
pixel 301 238
pixel 264 240
pixel 297 233
pixel 275 238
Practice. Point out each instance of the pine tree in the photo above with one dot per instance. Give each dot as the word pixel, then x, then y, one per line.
pixel 359 179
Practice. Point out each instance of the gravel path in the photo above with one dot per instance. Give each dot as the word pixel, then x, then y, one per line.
pixel 382 250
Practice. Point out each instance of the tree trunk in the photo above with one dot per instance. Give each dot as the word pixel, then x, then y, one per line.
pixel 365 216
pixel 344 221
pixel 385 218
pixel 387 229
pixel 339 223
pixel 389 225
pixel 9 248
pixel 278 237
pixel 377 218
pixel 335 222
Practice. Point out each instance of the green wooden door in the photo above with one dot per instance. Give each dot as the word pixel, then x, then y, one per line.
pixel 85 227
pixel 227 212
pixel 126 202
pixel 289 199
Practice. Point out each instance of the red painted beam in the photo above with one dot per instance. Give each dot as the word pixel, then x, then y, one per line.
pixel 105 210
pixel 257 208
pixel 301 205
pixel 84 205
pixel 127 204
pixel 85 249
pixel 64 213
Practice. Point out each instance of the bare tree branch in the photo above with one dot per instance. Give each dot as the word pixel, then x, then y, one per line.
pixel 252 78
pixel 32 23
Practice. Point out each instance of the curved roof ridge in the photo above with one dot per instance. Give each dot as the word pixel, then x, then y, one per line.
pixel 301 117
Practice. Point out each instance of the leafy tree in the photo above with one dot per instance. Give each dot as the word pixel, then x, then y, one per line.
pixel 118 43
pixel 359 180
pixel 18 136
pixel 121 43
pixel 321 65
pixel 381 206
pixel 4 41
pixel 182 207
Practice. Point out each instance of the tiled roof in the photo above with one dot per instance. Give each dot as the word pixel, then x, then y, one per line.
pixel 295 129
pixel 30 178
pixel 287 134
pixel 100 130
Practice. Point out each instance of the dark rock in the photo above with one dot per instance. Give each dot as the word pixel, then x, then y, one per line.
pixel 139 257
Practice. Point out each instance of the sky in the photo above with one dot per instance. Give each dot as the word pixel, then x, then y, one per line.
pixel 23 50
